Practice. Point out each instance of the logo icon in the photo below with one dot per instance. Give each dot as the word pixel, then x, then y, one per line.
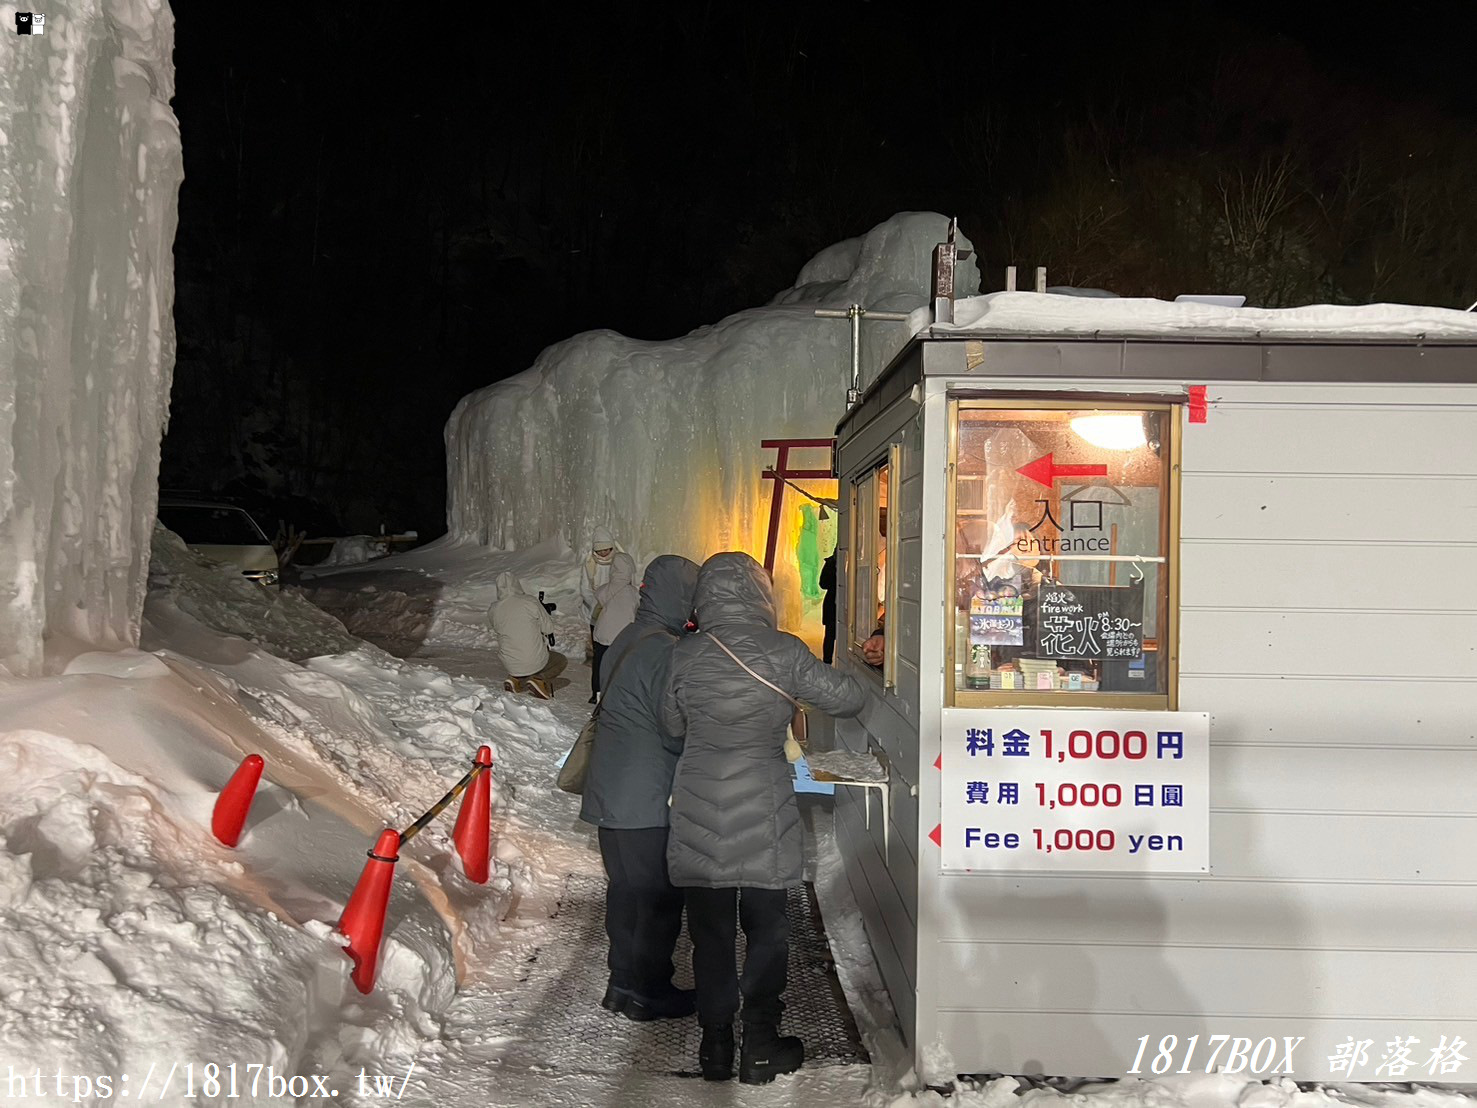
pixel 30 23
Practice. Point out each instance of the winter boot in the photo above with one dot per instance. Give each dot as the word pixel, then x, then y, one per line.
pixel 669 1004
pixel 715 1055
pixel 767 1054
pixel 513 685
pixel 540 688
pixel 615 998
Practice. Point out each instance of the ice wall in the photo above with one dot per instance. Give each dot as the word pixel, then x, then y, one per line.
pixel 660 440
pixel 89 173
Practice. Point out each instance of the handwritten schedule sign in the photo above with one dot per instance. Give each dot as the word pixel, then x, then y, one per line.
pixel 1089 621
pixel 1070 790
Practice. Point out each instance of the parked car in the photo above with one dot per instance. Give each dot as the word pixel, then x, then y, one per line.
pixel 223 533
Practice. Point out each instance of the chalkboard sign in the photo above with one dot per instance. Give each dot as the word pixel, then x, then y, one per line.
pixel 1090 621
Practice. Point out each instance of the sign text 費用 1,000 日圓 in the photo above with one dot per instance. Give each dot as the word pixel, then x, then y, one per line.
pixel 1033 789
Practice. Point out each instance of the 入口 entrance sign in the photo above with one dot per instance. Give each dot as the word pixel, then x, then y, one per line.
pixel 1068 790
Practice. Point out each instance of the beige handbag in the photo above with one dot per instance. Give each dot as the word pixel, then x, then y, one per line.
pixel 799 732
pixel 576 768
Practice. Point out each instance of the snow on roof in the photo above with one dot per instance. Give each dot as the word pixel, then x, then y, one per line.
pixel 1047 314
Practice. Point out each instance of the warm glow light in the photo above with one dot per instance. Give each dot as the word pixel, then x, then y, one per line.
pixel 1111 432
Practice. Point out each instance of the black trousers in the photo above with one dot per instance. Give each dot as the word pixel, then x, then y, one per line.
pixel 600 649
pixel 714 929
pixel 643 912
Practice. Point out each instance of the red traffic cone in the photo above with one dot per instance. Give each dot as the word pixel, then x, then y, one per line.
pixel 234 802
pixel 473 831
pixel 363 921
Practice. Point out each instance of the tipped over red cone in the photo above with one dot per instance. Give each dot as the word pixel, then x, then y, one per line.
pixel 234 802
pixel 363 921
pixel 473 832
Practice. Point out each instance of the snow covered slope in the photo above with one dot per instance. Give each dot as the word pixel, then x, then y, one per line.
pixel 129 937
pixel 89 171
pixel 660 440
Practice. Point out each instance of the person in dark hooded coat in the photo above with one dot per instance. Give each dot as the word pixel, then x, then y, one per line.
pixel 735 843
pixel 626 792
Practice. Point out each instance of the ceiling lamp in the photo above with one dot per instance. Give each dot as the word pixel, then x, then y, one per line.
pixel 1112 432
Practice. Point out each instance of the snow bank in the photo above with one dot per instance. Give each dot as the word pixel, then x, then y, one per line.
pixel 1038 313
pixel 440 594
pixel 277 619
pixel 660 440
pixel 354 550
pixel 129 937
pixel 88 182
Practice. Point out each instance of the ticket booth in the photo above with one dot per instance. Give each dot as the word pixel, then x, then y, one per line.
pixel 1178 701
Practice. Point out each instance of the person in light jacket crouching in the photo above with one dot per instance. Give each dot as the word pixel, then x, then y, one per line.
pixel 626 793
pixel 735 843
pixel 525 634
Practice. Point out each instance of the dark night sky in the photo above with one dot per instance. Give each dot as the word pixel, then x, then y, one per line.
pixel 386 207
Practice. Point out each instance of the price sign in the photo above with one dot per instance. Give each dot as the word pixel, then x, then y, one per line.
pixel 1105 791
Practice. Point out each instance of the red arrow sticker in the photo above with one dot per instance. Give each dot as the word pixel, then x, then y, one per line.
pixel 938 763
pixel 1044 470
pixel 937 835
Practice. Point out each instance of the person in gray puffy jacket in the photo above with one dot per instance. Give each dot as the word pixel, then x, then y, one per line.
pixel 735 843
pixel 626 792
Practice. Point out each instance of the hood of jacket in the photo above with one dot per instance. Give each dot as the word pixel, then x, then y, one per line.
pixel 509 585
pixel 600 538
pixel 733 589
pixel 667 592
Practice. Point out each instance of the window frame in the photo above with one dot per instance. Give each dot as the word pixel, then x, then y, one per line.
pixel 864 541
pixel 1167 643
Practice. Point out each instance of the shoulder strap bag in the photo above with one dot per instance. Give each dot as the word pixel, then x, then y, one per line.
pixel 798 729
pixel 576 768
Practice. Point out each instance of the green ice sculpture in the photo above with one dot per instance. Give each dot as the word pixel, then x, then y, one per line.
pixel 808 553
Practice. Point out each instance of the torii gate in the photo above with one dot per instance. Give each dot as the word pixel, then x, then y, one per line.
pixel 781 472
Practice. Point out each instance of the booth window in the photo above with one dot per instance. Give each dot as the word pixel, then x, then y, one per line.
pixel 869 578
pixel 1065 524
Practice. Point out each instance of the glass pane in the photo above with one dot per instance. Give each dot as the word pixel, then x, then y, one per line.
pixel 1060 519
pixel 862 579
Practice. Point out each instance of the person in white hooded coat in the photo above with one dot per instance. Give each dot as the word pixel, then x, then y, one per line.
pixel 596 572
pixel 616 603
pixel 525 634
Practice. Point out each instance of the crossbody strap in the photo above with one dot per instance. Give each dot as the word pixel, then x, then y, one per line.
pixel 617 667
pixel 724 647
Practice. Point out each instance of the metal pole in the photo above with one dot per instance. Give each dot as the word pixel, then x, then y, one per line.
pixel 855 313
pixel 855 392
pixel 440 806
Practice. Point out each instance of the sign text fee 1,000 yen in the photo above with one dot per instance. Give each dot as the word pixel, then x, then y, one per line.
pixel 1032 789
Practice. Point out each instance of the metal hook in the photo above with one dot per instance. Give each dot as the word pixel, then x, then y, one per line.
pixel 1138 572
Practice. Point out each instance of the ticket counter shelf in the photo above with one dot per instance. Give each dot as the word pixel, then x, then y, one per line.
pixel 879 780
